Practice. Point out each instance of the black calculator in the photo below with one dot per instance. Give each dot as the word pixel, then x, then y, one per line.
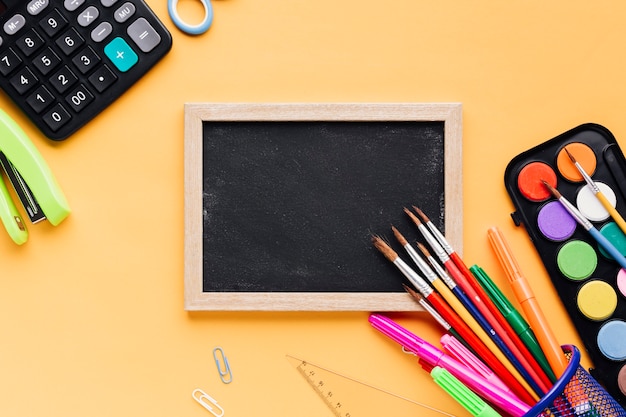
pixel 64 61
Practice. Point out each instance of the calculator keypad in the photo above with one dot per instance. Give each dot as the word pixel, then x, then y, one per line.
pixel 65 61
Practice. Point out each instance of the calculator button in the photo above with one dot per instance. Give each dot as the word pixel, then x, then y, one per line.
pixel 37 6
pixel 86 60
pixel 79 98
pixel 53 23
pixel 101 32
pixel 47 61
pixel 108 3
pixel 125 12
pixel 102 78
pixel 40 99
pixel 14 24
pixel 70 41
pixel 24 80
pixel 121 54
pixel 30 42
pixel 88 16
pixel 63 79
pixel 144 35
pixel 72 5
pixel 57 117
pixel 9 61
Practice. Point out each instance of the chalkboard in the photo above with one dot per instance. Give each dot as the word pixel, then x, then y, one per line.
pixel 281 201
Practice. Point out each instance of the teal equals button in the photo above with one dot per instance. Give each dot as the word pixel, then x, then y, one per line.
pixel 121 54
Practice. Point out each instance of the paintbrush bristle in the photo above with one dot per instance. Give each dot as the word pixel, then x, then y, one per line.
pixel 399 236
pixel 424 217
pixel 552 190
pixel 412 292
pixel 413 217
pixel 384 248
pixel 423 249
pixel 571 157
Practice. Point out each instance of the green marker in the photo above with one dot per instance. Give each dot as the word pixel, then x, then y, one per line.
pixel 464 396
pixel 515 319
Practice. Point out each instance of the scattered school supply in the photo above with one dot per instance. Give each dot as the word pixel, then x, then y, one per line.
pixel 461 304
pixel 32 180
pixel 477 303
pixel 208 402
pixel 527 300
pixel 64 62
pixel 188 28
pixel 472 402
pixel 346 396
pixel 587 278
pixel 518 323
pixel 435 357
pixel 461 320
pixel 223 367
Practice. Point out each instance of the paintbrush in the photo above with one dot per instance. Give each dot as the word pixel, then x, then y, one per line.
pixel 598 193
pixel 588 226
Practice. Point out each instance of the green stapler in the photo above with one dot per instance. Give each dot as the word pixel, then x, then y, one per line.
pixel 32 180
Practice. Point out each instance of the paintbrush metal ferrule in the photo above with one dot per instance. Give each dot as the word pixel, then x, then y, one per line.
pixel 421 263
pixel 445 277
pixel 569 207
pixel 591 183
pixel 577 215
pixel 435 246
pixel 420 284
pixel 440 238
pixel 435 315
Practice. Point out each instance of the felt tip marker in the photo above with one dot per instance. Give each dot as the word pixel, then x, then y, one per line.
pixel 459 352
pixel 435 357
pixel 463 395
pixel 518 323
pixel 526 297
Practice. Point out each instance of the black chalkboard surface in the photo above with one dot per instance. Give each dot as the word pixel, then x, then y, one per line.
pixel 281 201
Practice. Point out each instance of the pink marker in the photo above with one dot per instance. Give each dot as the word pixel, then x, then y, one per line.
pixel 462 354
pixel 435 357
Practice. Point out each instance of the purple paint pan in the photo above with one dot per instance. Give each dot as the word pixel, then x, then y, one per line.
pixel 555 223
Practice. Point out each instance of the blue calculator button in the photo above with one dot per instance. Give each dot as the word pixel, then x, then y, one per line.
pixel 121 54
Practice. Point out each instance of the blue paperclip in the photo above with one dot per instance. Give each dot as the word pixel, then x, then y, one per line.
pixel 200 28
pixel 222 365
pixel 207 402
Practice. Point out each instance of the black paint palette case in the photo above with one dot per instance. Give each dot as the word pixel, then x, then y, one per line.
pixel 591 285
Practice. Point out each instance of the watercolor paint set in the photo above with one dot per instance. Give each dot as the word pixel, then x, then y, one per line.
pixel 583 267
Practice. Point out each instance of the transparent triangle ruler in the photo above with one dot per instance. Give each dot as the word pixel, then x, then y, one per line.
pixel 348 397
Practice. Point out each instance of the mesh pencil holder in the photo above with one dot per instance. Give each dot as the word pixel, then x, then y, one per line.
pixel 576 394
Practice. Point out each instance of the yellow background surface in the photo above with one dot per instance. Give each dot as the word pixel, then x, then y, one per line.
pixel 91 312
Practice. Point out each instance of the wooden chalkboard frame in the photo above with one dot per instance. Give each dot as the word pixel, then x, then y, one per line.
pixel 195 299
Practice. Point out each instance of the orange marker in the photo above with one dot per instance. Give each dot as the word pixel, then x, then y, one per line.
pixel 526 297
